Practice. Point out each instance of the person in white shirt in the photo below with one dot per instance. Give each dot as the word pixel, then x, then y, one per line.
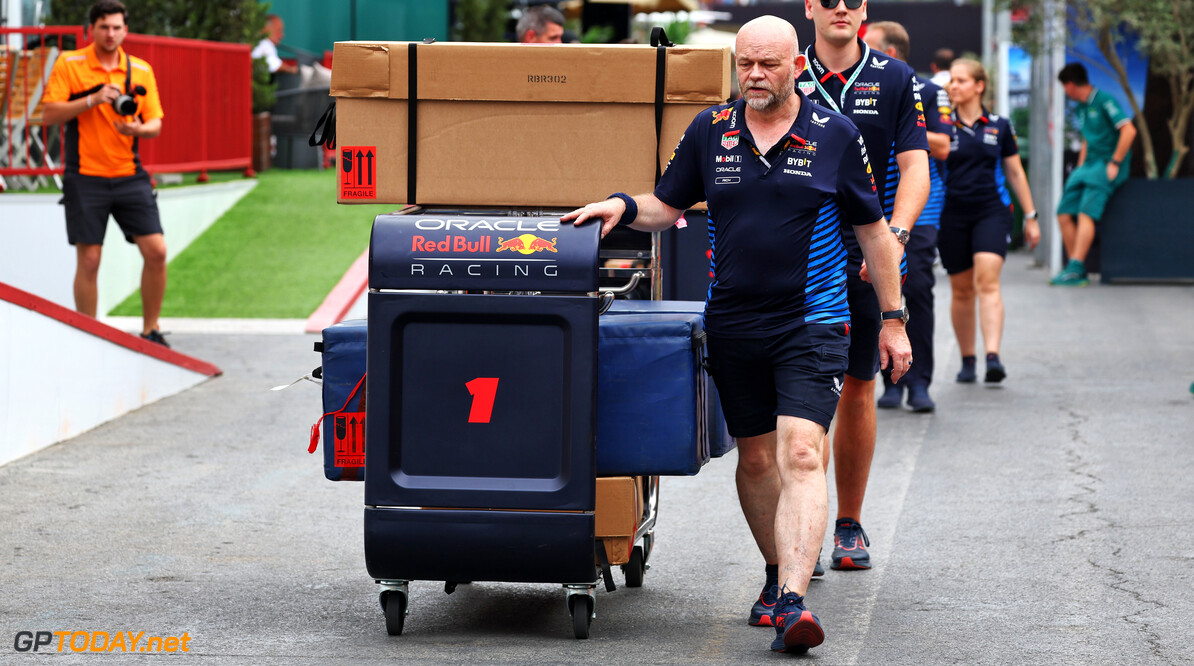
pixel 942 59
pixel 268 46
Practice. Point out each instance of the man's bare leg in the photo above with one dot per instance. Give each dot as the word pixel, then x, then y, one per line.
pixel 854 445
pixel 87 277
pixel 758 484
pixel 803 509
pixel 1065 223
pixel 153 279
pixel 1083 238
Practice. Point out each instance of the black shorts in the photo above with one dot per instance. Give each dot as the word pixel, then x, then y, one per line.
pixel 967 229
pixel 90 199
pixel 865 321
pixel 797 373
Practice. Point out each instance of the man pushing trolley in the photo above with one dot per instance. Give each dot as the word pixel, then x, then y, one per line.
pixel 778 173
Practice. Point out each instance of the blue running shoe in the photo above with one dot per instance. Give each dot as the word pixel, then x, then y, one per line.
pixel 796 628
pixel 967 375
pixel 919 400
pixel 818 570
pixel 849 545
pixel 760 613
pixel 891 398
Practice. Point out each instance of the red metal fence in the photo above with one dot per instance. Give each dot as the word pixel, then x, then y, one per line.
pixel 205 89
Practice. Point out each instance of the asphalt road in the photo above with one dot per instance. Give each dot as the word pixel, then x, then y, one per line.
pixel 1047 520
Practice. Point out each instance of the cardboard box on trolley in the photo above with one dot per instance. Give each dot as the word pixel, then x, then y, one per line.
pixel 471 124
pixel 619 509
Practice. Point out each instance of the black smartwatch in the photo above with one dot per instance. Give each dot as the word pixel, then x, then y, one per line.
pixel 901 235
pixel 901 314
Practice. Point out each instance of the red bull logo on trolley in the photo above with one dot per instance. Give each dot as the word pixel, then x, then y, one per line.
pixel 527 244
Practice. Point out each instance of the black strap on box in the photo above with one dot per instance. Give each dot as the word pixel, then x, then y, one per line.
pixel 660 41
pixel 603 562
pixel 328 122
pixel 412 121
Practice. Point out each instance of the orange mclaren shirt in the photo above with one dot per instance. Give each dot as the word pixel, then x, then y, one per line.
pixel 93 146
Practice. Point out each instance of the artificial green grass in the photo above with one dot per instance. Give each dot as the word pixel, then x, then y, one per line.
pixel 275 254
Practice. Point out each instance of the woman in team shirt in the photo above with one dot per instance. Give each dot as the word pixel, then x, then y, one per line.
pixel 975 225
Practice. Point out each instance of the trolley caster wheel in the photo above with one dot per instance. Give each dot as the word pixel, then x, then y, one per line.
pixel 581 609
pixel 394 606
pixel 635 568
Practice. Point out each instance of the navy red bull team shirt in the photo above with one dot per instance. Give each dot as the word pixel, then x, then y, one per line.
pixel 878 93
pixel 938 118
pixel 974 158
pixel 778 258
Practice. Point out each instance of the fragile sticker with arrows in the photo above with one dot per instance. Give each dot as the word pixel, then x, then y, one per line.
pixel 358 172
pixel 349 438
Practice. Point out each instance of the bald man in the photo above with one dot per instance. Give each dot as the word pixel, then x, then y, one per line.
pixel 779 174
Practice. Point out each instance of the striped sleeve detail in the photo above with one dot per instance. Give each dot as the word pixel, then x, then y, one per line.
pixel 890 182
pixel 712 256
pixel 931 215
pixel 825 286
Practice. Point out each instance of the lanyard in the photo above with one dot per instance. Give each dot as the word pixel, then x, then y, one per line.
pixel 809 55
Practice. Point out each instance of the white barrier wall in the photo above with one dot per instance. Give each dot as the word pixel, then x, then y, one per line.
pixel 35 257
pixel 57 381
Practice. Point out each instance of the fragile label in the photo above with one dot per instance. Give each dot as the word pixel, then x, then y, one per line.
pixel 358 172
pixel 349 437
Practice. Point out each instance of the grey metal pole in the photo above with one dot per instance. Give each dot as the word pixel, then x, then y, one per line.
pixel 1057 122
pixel 1041 148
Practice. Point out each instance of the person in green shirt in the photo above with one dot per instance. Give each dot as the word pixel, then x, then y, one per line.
pixel 1107 135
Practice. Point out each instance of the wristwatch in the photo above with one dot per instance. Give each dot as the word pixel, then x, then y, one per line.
pixel 901 314
pixel 1116 162
pixel 1031 215
pixel 901 235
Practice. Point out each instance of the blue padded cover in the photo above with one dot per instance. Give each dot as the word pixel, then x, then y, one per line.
pixel 720 442
pixel 650 395
pixel 648 400
pixel 343 367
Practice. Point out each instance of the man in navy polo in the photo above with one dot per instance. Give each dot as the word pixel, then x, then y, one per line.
pixel 878 93
pixel 891 39
pixel 779 175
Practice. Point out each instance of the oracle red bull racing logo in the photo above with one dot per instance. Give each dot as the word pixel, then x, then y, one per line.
pixel 526 244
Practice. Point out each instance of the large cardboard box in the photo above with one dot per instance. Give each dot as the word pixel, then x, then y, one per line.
pixel 512 124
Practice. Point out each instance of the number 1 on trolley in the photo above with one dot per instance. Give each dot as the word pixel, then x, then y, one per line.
pixel 483 390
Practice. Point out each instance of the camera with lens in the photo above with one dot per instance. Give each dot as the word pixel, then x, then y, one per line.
pixel 126 104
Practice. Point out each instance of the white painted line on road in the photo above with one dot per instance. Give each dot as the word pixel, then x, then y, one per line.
pixel 896 451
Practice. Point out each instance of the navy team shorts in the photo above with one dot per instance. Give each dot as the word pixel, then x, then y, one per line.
pixel 970 228
pixel 796 373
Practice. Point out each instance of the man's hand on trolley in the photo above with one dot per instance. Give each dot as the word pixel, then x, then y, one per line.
pixel 894 347
pixel 608 211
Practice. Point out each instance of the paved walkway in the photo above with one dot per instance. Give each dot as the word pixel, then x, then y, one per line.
pixel 1047 520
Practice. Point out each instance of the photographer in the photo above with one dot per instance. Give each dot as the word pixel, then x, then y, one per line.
pixel 108 101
